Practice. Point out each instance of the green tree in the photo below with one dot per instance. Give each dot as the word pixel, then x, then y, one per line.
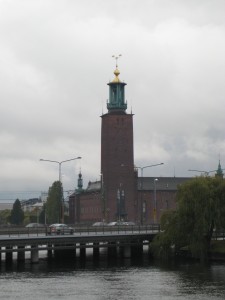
pixel 5 216
pixel 27 218
pixel 17 214
pixel 31 217
pixel 200 209
pixel 42 215
pixel 53 204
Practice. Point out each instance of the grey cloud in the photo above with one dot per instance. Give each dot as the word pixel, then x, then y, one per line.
pixel 55 65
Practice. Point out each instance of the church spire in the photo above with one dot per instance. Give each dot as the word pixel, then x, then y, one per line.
pixel 219 172
pixel 79 183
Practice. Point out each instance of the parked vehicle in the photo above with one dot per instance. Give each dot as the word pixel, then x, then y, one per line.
pixel 121 223
pixel 113 224
pixel 35 225
pixel 129 223
pixel 99 224
pixel 60 229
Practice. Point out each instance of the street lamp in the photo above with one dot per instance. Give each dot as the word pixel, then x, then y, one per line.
pixel 37 206
pixel 142 171
pixel 154 210
pixel 103 197
pixel 60 177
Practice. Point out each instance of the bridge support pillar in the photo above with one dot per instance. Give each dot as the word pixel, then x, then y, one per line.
pixel 125 251
pixel 75 250
pixel 149 250
pixel 137 251
pixel 70 253
pixel 21 254
pixel 82 251
pixel 34 255
pixel 9 255
pixel 50 251
pixel 96 250
pixel 112 249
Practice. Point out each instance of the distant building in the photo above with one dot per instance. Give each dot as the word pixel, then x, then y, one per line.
pixel 157 195
pixel 44 196
pixel 29 204
pixel 152 199
pixel 85 206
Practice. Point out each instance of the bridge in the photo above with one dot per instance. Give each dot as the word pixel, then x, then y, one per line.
pixel 127 241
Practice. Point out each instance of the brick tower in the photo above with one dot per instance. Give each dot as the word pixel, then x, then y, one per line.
pixel 117 157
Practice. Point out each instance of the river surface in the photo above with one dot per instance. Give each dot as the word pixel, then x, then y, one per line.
pixel 112 280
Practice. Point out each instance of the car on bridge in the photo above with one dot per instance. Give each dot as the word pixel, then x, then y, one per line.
pixel 121 223
pixel 112 224
pixel 96 224
pixel 34 225
pixel 60 229
pixel 129 223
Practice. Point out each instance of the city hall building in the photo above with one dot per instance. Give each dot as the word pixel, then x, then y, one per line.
pixel 121 195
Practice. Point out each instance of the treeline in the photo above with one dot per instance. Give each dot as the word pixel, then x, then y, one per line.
pixel 200 211
pixel 49 213
pixel 16 215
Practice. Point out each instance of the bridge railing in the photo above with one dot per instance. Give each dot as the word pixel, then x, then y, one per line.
pixel 81 229
pixel 117 228
pixel 18 230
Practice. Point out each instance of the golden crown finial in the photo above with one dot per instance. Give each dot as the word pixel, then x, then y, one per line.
pixel 116 72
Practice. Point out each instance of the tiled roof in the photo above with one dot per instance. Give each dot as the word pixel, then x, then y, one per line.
pixel 93 186
pixel 163 183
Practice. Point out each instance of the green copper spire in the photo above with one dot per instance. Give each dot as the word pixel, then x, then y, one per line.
pixel 219 171
pixel 116 92
pixel 79 183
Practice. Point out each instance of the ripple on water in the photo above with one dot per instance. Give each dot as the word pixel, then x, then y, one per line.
pixel 190 281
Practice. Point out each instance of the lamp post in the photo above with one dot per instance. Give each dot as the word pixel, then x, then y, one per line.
pixel 60 177
pixel 37 207
pixel 103 197
pixel 142 171
pixel 154 210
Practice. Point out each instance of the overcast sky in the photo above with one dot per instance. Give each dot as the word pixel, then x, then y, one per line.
pixel 56 61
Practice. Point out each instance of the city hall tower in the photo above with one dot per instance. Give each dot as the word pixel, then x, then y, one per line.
pixel 118 178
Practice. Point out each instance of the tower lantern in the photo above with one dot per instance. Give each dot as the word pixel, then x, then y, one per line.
pixel 116 92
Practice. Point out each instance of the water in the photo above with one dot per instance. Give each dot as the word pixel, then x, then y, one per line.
pixel 112 280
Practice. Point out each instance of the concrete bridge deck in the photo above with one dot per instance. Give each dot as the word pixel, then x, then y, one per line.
pixel 59 244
